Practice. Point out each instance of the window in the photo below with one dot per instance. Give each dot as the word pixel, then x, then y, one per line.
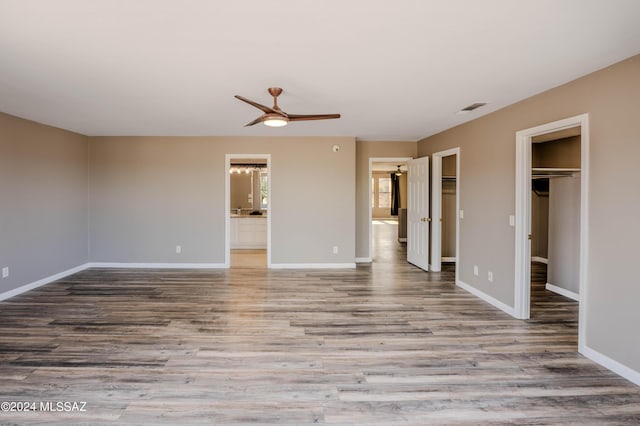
pixel 381 191
pixel 384 192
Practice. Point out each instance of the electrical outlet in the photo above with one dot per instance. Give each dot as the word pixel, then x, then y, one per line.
pixel 475 270
pixel 461 214
pixel 490 276
pixel 5 272
pixel 178 249
pixel 335 249
pixel 512 220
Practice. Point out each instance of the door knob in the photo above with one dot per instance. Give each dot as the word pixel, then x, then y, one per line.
pixel 425 219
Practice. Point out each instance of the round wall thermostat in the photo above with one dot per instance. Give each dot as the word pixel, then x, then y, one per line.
pixel 335 148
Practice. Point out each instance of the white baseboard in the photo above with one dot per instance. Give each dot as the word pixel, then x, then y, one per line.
pixel 539 259
pixel 41 282
pixel 613 365
pixel 157 265
pixel 312 265
pixel 489 299
pixel 563 292
pixel 363 260
pixel 448 259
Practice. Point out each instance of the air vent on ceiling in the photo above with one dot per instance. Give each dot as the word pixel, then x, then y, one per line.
pixel 473 106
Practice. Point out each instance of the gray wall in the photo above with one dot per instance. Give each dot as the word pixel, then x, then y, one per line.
pixel 43 187
pixel 487 191
pixel 149 194
pixel 364 151
pixel 564 233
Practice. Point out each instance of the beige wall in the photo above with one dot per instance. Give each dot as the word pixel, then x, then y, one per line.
pixel 564 233
pixel 539 225
pixel 364 151
pixel 559 153
pixel 43 187
pixel 487 191
pixel 149 194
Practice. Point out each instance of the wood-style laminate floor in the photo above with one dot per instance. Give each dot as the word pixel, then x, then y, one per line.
pixel 381 344
pixel 249 258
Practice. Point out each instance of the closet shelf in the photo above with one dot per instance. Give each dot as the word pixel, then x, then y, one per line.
pixel 545 172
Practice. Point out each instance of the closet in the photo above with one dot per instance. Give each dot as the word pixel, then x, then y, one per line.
pixel 555 209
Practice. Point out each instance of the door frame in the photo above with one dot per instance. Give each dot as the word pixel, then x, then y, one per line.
pixel 523 217
pixel 436 208
pixel 227 204
pixel 372 160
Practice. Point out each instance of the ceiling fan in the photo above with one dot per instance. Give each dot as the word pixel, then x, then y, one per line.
pixel 275 117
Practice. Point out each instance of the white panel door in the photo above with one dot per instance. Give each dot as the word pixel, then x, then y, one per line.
pixel 418 212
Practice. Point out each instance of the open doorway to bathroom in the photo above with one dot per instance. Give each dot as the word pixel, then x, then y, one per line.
pixel 248 211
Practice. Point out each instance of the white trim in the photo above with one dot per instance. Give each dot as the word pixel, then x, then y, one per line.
pixel 436 209
pixel 363 260
pixel 613 365
pixel 484 296
pixel 449 259
pixel 313 265
pixel 540 259
pixel 402 240
pixel 227 204
pixel 523 217
pixel 157 265
pixel 27 287
pixel 563 292
pixel 369 204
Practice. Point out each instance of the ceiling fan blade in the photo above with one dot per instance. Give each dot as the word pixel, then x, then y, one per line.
pixel 294 117
pixel 261 107
pixel 256 121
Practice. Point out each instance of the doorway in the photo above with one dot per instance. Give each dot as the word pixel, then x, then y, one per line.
pixel 386 229
pixel 445 205
pixel 525 172
pixel 248 211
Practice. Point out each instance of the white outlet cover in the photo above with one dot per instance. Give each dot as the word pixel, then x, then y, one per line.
pixel 475 270
pixel 512 220
pixel 5 272
pixel 490 276
pixel 461 214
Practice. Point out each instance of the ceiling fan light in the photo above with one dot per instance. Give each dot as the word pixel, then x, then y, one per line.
pixel 275 120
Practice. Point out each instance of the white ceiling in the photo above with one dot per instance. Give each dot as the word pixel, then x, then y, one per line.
pixel 395 70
